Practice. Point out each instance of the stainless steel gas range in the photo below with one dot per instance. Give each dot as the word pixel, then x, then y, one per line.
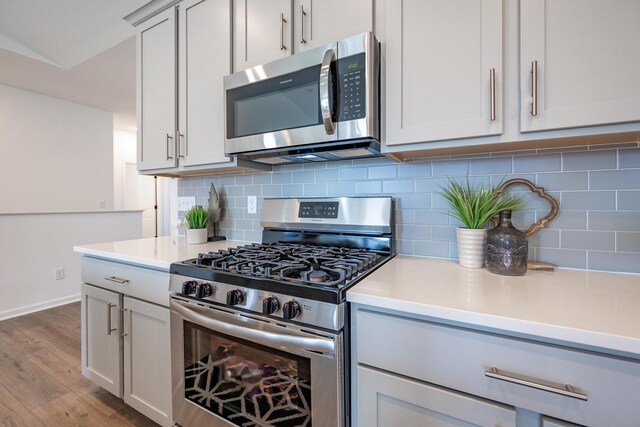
pixel 259 333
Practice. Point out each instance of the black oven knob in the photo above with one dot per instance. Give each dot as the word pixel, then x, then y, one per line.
pixel 203 290
pixel 290 310
pixel 235 297
pixel 189 287
pixel 270 305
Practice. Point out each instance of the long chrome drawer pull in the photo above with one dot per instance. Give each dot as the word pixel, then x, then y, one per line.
pixel 109 330
pixel 566 391
pixel 117 280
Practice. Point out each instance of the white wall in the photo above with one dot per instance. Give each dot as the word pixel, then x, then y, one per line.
pixel 124 150
pixel 57 155
pixel 32 246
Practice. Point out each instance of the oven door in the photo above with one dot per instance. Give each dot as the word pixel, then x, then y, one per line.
pixel 232 369
pixel 284 103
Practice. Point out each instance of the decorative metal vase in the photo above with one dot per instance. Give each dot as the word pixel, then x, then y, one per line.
pixel 506 248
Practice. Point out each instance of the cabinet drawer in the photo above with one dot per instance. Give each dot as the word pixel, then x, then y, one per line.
pixel 459 359
pixel 139 282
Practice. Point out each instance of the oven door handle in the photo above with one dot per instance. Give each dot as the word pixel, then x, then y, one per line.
pixel 269 339
pixel 325 71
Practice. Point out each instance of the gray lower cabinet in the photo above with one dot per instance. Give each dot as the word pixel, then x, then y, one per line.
pixel 385 399
pixel 408 370
pixel 125 340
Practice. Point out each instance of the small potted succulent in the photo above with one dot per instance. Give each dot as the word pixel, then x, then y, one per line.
pixel 475 206
pixel 196 218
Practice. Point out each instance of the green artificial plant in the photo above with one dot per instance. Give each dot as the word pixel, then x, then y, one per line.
pixel 474 206
pixel 196 217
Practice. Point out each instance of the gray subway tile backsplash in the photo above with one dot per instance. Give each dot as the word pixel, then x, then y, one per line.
pixel 598 188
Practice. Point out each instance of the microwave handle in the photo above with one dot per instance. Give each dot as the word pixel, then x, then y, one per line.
pixel 325 70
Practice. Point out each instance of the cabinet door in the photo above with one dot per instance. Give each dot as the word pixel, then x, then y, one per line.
pixel 386 400
pixel 552 422
pixel 157 92
pixel 147 361
pixel 205 58
pixel 101 343
pixel 262 32
pixel 319 22
pixel 437 62
pixel 587 59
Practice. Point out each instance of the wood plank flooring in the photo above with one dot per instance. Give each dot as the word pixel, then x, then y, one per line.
pixel 40 380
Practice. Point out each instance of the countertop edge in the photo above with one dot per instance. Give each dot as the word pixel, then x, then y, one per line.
pixel 606 343
pixel 129 259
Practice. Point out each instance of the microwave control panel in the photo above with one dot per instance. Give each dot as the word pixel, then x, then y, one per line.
pixel 351 87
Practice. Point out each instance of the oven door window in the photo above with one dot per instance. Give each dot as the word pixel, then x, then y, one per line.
pixel 245 383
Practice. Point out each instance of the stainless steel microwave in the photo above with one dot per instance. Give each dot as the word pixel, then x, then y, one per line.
pixel 322 104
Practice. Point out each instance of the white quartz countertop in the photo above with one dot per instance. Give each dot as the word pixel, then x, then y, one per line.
pixel 590 309
pixel 156 253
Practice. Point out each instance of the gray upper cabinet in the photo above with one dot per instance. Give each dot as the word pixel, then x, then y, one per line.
pixel 183 54
pixel 262 32
pixel 579 63
pixel 205 58
pixel 442 70
pixel 318 22
pixel 266 30
pixel 156 96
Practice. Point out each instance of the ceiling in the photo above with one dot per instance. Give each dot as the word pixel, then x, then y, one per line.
pixel 77 50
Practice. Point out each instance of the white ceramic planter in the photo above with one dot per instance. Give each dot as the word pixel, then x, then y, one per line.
pixel 471 247
pixel 196 236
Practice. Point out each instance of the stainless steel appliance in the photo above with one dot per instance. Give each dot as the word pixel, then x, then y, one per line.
pixel 318 105
pixel 259 332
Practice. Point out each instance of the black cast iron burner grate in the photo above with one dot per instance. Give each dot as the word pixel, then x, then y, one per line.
pixel 249 396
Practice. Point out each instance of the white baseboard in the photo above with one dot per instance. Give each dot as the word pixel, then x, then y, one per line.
pixel 38 307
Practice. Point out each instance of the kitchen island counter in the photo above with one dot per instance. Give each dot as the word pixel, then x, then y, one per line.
pixel 157 253
pixel 591 310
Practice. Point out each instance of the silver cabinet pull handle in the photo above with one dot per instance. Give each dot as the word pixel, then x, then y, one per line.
pixel 302 15
pixel 124 313
pixel 492 85
pixel 169 138
pixel 566 391
pixel 534 88
pixel 282 22
pixel 180 138
pixel 117 280
pixel 109 330
pixel 325 108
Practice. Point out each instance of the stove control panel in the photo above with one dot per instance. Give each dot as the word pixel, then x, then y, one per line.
pixel 260 302
pixel 318 210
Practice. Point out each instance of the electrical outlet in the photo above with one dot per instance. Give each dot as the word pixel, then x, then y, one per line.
pixel 252 204
pixel 186 203
pixel 58 273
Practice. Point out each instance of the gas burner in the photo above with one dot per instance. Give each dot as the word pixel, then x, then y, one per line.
pixel 293 262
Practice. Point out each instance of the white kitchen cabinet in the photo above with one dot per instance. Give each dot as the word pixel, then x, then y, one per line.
pixel 318 22
pixel 262 32
pixel 156 85
pixel 386 400
pixel 442 71
pixel 538 379
pixel 184 52
pixel 205 58
pixel 126 342
pixel 266 30
pixel 147 346
pixel 584 56
pixel 101 343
